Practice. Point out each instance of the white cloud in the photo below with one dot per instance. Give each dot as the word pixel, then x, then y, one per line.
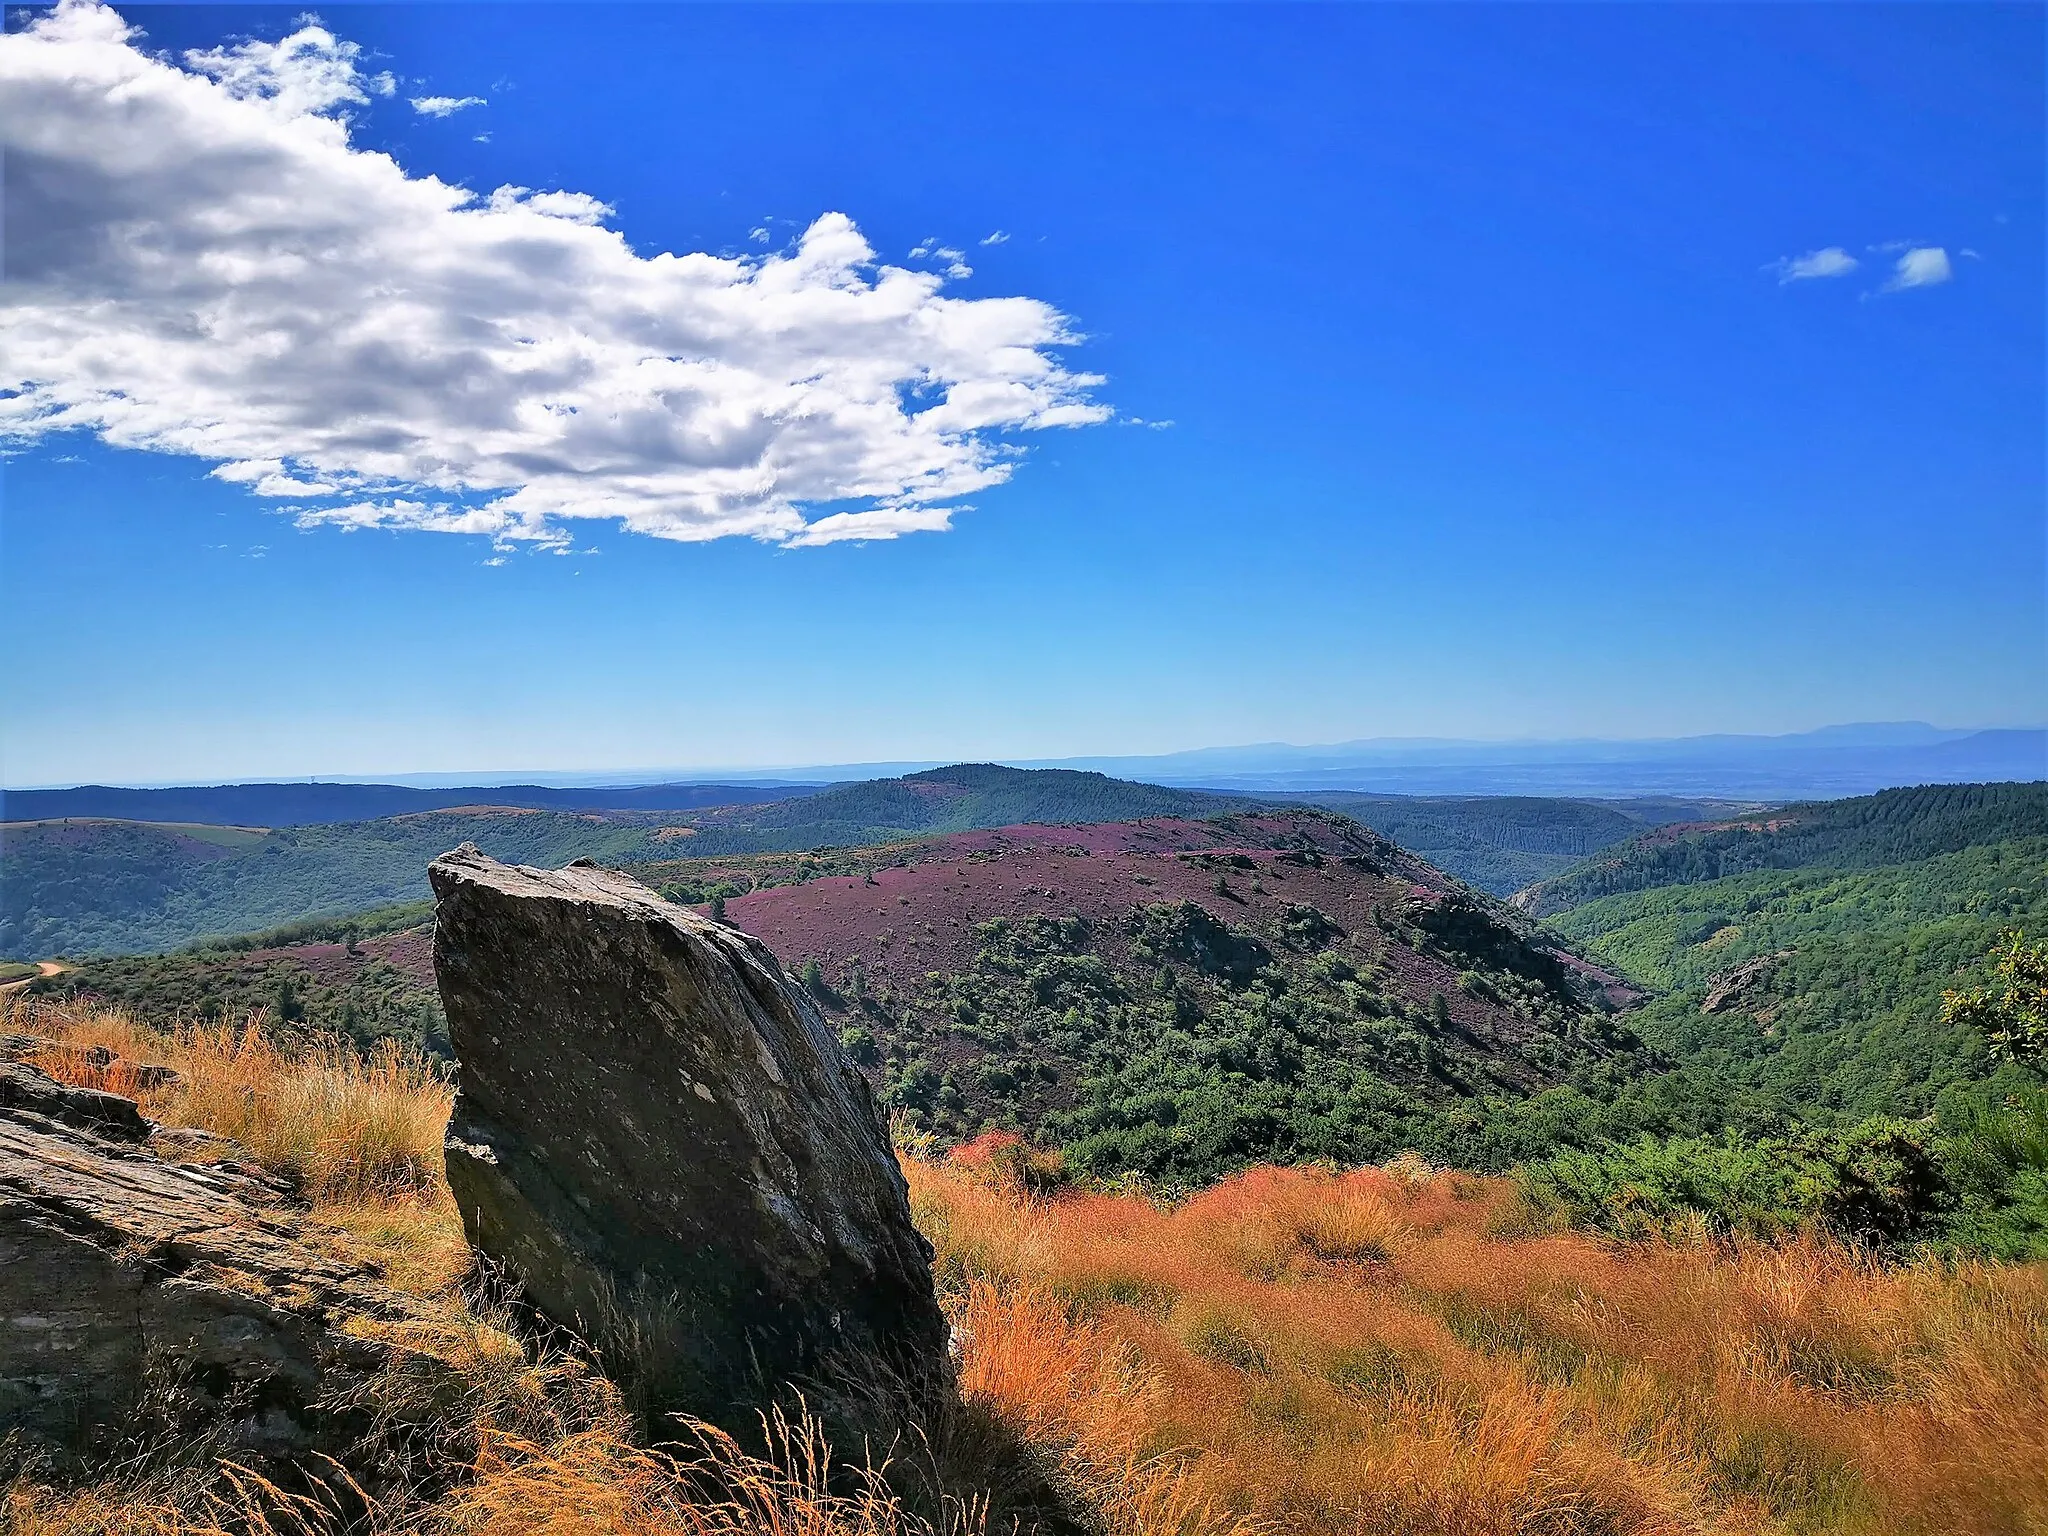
pixel 201 262
pixel 999 237
pixel 955 259
pixel 1832 261
pixel 444 106
pixel 1920 267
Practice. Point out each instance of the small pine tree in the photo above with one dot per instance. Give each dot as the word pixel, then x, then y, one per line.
pixel 1439 1011
pixel 718 909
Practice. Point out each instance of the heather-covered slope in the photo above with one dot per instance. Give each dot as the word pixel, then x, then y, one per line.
pixel 1176 996
pixel 1180 998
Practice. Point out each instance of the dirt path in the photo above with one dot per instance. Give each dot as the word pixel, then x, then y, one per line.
pixel 45 968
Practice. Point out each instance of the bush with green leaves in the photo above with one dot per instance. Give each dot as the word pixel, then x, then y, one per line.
pixel 1880 1183
pixel 2012 1012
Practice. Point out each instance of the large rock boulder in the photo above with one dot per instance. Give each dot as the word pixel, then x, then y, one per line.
pixel 146 1298
pixel 661 1138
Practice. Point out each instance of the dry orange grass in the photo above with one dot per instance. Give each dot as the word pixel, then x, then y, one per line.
pixel 1294 1351
pixel 1364 1352
pixel 340 1124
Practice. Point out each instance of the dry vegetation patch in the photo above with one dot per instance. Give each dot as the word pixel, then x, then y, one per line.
pixel 1293 1350
pixel 1374 1351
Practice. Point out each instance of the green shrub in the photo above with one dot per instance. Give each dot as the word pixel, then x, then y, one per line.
pixel 1879 1183
pixel 1996 1161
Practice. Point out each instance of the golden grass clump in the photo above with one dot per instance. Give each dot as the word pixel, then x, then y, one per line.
pixel 1364 1352
pixel 340 1123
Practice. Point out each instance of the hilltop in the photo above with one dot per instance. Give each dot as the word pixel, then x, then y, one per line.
pixel 1179 997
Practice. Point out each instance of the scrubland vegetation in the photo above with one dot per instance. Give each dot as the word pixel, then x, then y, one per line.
pixel 1396 1349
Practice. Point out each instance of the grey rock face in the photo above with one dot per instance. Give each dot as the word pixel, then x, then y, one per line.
pixel 142 1294
pixel 662 1139
pixel 27 1088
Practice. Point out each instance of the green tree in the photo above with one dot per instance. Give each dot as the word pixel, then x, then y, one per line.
pixel 2012 1012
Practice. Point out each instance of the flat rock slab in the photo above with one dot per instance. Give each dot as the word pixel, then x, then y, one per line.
pixel 663 1140
pixel 125 1278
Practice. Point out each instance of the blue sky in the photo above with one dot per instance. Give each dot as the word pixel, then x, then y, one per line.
pixel 1493 409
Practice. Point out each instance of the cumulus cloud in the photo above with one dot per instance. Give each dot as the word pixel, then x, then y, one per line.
pixel 1921 266
pixel 444 106
pixel 201 262
pixel 998 237
pixel 1832 261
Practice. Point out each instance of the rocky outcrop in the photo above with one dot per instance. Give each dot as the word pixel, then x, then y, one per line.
pixel 140 1296
pixel 661 1138
pixel 1743 986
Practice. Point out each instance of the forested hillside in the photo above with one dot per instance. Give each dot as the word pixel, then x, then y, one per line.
pixel 1502 843
pixel 1819 988
pixel 1895 827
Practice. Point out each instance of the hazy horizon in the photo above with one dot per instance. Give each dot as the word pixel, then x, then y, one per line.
pixel 1210 765
pixel 1028 383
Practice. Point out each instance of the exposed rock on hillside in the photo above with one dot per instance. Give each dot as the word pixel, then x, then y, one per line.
pixel 663 1140
pixel 140 1295
pixel 1739 988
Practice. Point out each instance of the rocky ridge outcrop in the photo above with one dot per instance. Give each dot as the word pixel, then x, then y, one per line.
pixel 144 1297
pixel 661 1137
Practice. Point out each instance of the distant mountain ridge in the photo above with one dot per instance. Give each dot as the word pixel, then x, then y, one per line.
pixel 325 804
pixel 1836 760
pixel 102 886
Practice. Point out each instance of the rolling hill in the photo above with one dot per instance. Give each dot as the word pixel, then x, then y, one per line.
pixel 1169 996
pixel 95 887
pixel 1178 995
pixel 316 804
pixel 1801 957
pixel 1896 826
